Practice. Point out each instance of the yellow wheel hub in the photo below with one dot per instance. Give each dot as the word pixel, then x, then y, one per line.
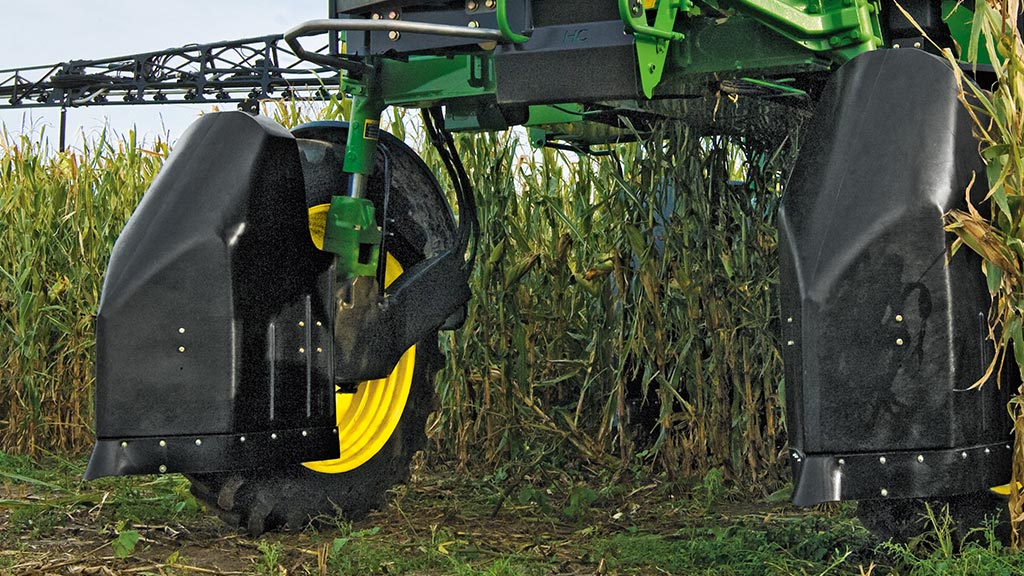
pixel 367 418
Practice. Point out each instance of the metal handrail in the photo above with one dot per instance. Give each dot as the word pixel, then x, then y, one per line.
pixel 638 25
pixel 319 26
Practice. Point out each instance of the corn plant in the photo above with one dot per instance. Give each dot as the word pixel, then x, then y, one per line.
pixel 613 286
pixel 624 305
pixel 61 214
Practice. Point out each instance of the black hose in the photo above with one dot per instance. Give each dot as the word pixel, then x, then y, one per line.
pixel 441 139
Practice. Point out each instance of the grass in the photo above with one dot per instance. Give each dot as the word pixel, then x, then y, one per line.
pixel 39 499
pixel 445 523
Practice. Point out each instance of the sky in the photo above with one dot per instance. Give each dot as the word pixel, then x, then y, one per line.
pixel 38 33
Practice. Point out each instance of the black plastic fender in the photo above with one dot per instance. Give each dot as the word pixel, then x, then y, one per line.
pixel 215 326
pixel 882 337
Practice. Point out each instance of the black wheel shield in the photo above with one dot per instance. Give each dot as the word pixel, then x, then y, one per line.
pixel 292 496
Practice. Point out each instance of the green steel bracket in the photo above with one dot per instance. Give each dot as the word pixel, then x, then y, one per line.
pixel 581 135
pixel 652 41
pixel 738 45
pixel 352 235
pixel 503 25
pixel 541 115
pixel 538 137
pixel 843 28
pixel 424 81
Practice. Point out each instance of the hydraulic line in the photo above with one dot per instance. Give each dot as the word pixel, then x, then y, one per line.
pixel 441 139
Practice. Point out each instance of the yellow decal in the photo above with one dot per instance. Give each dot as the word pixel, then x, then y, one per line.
pixel 318 224
pixel 371 130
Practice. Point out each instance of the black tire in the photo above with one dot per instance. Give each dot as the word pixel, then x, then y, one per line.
pixel 905 519
pixel 292 496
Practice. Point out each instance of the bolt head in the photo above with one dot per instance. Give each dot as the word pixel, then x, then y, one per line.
pixel 163 443
pixel 163 468
pixel 273 435
pixel 124 444
pixel 394 35
pixel 199 441
pixel 885 492
pixel 920 457
pixel 881 460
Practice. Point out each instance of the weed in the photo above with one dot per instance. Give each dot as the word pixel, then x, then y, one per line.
pixel 530 494
pixel 500 567
pixel 124 544
pixel 709 491
pixel 269 562
pixel 357 553
pixel 581 498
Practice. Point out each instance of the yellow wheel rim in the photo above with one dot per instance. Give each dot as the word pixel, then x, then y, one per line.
pixel 367 418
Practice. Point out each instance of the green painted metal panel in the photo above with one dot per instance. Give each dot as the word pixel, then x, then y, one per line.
pixel 424 81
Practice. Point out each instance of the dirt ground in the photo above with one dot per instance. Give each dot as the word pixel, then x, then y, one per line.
pixel 448 521
pixel 438 524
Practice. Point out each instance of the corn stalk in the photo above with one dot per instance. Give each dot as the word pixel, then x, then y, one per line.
pixel 624 313
pixel 60 216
